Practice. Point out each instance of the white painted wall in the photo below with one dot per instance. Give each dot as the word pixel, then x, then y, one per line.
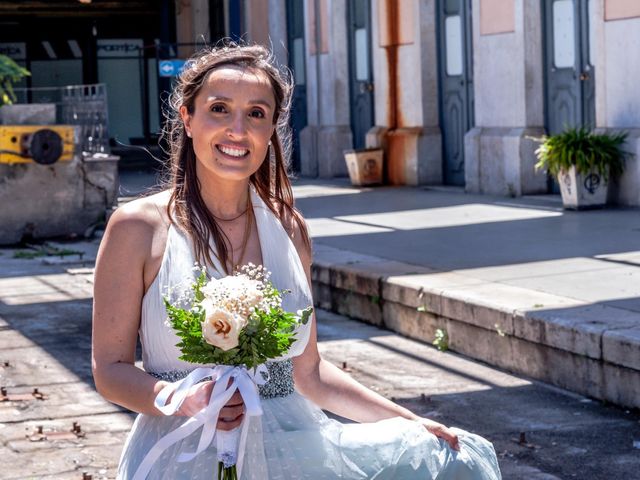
pixel 328 91
pixel 429 63
pixel 498 75
pixel 620 74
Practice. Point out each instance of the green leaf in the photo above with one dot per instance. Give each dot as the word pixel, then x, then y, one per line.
pixel 586 150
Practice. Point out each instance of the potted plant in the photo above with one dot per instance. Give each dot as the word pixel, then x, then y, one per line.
pixel 582 161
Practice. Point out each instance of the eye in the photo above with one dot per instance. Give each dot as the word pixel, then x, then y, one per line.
pixel 218 108
pixel 257 113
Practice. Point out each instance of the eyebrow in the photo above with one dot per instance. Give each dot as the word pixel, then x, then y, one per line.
pixel 229 100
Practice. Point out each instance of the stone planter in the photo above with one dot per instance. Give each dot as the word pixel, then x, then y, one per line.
pixel 581 191
pixel 365 166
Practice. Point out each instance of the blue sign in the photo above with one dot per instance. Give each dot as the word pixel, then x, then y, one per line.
pixel 170 68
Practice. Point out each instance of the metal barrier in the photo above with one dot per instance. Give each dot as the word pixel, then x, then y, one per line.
pixel 82 105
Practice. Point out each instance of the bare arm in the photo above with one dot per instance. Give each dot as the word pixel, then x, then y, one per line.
pixel 334 390
pixel 118 291
pixel 126 264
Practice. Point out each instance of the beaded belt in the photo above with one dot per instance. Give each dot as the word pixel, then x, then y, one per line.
pixel 280 383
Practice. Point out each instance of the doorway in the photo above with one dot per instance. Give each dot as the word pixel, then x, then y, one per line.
pixel 360 71
pixel 456 84
pixel 569 72
pixel 296 47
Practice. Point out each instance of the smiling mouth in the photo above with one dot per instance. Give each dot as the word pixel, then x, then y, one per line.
pixel 236 152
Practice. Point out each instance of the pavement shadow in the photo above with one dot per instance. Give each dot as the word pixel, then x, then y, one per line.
pixel 493 243
pixel 62 329
pixel 564 436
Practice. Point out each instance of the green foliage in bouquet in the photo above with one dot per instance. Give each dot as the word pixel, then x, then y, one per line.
pixel 267 335
pixel 585 150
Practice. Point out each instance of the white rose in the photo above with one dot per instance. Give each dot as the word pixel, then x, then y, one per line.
pixel 221 328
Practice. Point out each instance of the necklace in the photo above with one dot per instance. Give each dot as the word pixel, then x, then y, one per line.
pixel 245 240
pixel 237 216
pixel 232 218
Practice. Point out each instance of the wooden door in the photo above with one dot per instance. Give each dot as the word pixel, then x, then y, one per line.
pixel 360 72
pixel 456 84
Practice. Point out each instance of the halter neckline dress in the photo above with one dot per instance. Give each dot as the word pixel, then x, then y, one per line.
pixel 293 439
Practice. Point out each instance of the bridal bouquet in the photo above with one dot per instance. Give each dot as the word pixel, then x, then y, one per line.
pixel 236 320
pixel 237 323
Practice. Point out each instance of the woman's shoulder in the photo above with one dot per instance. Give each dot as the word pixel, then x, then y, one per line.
pixel 144 212
pixel 140 220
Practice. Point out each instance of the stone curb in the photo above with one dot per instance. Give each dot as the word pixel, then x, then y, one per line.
pixel 593 349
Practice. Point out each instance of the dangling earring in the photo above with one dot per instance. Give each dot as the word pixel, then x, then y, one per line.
pixel 272 168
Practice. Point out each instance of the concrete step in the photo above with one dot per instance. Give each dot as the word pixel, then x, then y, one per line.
pixel 589 348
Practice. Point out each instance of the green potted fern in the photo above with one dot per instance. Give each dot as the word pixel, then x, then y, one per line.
pixel 583 162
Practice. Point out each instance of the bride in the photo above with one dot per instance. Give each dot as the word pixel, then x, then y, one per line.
pixel 230 204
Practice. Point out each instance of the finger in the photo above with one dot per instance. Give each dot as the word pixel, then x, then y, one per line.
pixel 230 413
pixel 226 424
pixel 450 437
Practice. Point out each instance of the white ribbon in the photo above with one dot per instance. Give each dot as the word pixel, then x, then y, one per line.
pixel 242 379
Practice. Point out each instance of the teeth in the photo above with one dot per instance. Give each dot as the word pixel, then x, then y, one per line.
pixel 234 152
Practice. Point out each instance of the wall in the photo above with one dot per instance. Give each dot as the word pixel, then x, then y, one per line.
pixel 499 152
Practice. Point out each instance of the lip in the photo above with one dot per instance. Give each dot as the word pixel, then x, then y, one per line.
pixel 234 147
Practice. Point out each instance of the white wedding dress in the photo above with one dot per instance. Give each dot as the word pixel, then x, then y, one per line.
pixel 293 439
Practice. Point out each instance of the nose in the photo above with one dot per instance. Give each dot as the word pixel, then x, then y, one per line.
pixel 237 126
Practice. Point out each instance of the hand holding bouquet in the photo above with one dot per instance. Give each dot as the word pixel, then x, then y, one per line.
pixel 237 323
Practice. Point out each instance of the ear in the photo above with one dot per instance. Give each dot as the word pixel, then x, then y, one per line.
pixel 186 119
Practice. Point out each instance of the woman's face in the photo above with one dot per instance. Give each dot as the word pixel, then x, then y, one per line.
pixel 232 122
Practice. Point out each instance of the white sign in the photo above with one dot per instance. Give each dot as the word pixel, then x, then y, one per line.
pixel 120 47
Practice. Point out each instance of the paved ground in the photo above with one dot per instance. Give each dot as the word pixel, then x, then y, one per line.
pixel 525 242
pixel 45 338
pixel 539 432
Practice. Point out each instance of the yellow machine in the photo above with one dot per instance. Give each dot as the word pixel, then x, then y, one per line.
pixel 43 144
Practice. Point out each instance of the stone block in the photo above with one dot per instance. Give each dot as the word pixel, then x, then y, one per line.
pixel 55 200
pixel 347 277
pixel 480 343
pixel 622 347
pixel 501 161
pixel 410 322
pixel 625 190
pixel 322 295
pixel 430 157
pixel 532 181
pixel 28 114
pixel 577 373
pixel 472 306
pixel 621 385
pixel 334 140
pixel 564 369
pixel 401 291
pixel 354 305
pixel 320 272
pixel 309 151
pixel 472 160
pixel 577 329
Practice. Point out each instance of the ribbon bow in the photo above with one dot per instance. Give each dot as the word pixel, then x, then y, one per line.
pixel 246 381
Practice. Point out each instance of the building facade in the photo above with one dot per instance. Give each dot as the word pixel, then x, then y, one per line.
pixel 454 91
pixel 457 91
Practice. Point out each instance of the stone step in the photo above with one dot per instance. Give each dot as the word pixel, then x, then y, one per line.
pixel 592 349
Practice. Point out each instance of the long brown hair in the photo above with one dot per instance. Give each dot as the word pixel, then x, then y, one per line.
pixel 186 207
